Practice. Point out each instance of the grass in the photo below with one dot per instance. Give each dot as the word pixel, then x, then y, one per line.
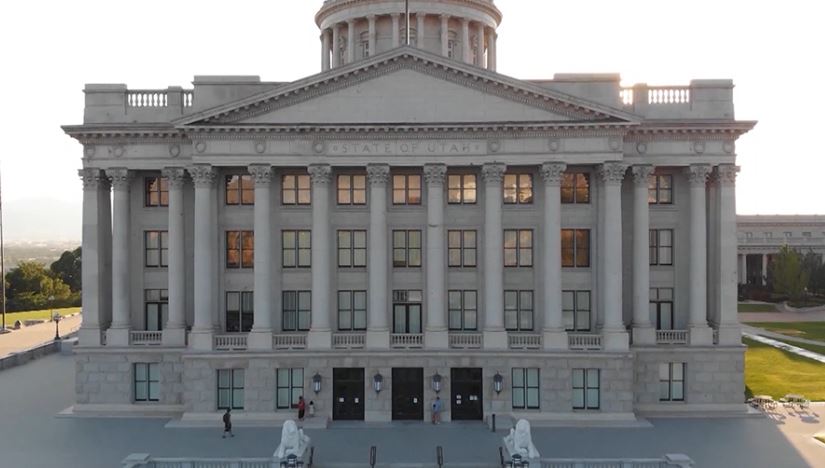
pixel 809 330
pixel 771 371
pixel 749 307
pixel 45 314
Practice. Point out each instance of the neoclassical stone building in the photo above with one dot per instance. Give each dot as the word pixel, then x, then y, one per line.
pixel 762 236
pixel 407 223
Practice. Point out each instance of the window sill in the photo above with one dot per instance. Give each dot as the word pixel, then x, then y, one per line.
pixel 359 269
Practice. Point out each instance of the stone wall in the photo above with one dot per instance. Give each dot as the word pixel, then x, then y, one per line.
pixel 108 378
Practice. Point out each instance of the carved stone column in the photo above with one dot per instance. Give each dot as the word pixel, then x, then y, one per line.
pixel 495 337
pixel 419 29
pixel 118 334
pixel 613 332
pixel 643 331
pixel 371 20
pixel 700 333
pixel 174 332
pixel 325 52
pixel 378 332
pixel 729 329
pixel 436 332
pixel 491 50
pixel 466 47
pixel 336 45
pixel 445 35
pixel 743 269
pixel 555 337
pixel 480 50
pixel 320 334
pixel 350 41
pixel 261 336
pixel 203 327
pixel 396 30
pixel 93 184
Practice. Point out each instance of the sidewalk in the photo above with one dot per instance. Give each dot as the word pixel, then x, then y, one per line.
pixel 779 336
pixel 807 316
pixel 28 337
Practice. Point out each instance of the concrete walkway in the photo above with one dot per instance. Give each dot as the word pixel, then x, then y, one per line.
pixel 29 337
pixel 779 336
pixel 786 347
pixel 815 315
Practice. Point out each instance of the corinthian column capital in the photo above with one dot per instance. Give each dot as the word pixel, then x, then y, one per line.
pixel 203 175
pixel 612 172
pixel 698 174
pixel 726 174
pixel 175 176
pixel 262 173
pixel 493 173
pixel 641 174
pixel 553 172
pixel 321 174
pixel 378 174
pixel 434 173
pixel 91 178
pixel 120 178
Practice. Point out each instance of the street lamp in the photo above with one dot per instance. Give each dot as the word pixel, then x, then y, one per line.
pixel 377 382
pixel 56 318
pixel 437 382
pixel 316 383
pixel 498 382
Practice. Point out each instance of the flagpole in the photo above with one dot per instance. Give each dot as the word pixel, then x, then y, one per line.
pixel 2 260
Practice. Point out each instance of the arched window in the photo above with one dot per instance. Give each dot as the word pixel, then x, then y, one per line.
pixel 413 36
pixel 453 46
pixel 365 44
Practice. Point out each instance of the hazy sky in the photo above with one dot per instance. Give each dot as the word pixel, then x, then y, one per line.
pixel 772 50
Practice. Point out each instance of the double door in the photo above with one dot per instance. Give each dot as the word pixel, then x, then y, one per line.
pixel 408 394
pixel 348 394
pixel 466 394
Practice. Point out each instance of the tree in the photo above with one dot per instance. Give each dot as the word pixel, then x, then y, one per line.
pixel 788 276
pixel 67 268
pixel 32 286
pixel 813 266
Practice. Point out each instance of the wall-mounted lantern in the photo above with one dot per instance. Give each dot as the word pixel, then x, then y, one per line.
pixel 437 382
pixel 498 382
pixel 316 382
pixel 378 382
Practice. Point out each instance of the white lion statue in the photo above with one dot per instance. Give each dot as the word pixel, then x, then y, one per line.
pixel 520 442
pixel 293 441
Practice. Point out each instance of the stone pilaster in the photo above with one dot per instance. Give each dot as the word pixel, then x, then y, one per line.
pixel 614 332
pixel 325 50
pixel 730 333
pixel 378 332
pixel 336 46
pixel 396 30
pixel 491 50
pixel 93 184
pixel 480 49
pixel 495 337
pixel 371 20
pixel 436 331
pixel 643 331
pixel 174 332
pixel 555 338
pixel 420 17
pixel 261 336
pixel 203 328
pixel 118 334
pixel 320 334
pixel 700 333
pixel 350 41
pixel 466 47
pixel 445 35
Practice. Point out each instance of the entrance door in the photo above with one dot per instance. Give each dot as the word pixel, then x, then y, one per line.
pixel 466 401
pixel 348 394
pixel 408 394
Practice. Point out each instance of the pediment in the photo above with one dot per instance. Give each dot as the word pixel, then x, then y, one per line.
pixel 406 86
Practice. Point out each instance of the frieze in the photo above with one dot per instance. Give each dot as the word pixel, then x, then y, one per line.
pixel 405 148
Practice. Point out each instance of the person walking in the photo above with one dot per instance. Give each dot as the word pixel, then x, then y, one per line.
pixel 302 406
pixel 227 424
pixel 437 410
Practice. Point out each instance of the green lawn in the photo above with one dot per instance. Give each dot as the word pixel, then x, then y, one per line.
pixel 771 371
pixel 809 330
pixel 748 307
pixel 37 314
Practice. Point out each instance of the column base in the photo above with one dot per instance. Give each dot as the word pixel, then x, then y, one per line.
pixel 644 336
pixel 700 335
pixel 495 339
pixel 174 337
pixel 260 340
pixel 201 340
pixel 555 340
pixel 117 337
pixel 89 337
pixel 615 340
pixel 436 339
pixel 378 339
pixel 319 339
pixel 730 335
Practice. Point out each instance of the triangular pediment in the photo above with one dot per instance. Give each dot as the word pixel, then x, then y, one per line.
pixel 406 86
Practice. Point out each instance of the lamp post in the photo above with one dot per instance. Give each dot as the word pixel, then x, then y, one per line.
pixel 55 317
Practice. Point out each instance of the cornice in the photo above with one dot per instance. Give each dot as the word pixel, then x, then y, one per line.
pixel 338 5
pixel 725 130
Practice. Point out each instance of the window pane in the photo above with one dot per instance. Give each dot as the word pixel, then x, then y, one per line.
pixel 533 398
pixel 678 369
pixel 470 257
pixel 518 398
pixel 415 239
pixel 593 398
pixel 154 391
pixel 578 399
pixel 664 390
pixel 664 371
pixel 583 300
pixel 532 377
pixel 510 239
pixel 677 390
pixel 593 378
pixel 141 391
pixel 518 377
pixel 578 378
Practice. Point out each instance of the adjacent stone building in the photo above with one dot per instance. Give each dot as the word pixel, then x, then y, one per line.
pixel 761 236
pixel 408 223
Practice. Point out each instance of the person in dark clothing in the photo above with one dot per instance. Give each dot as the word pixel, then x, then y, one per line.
pixel 227 424
pixel 302 406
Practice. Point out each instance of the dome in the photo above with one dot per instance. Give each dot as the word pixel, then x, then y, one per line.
pixel 463 30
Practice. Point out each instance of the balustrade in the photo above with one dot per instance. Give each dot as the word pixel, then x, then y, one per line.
pixel 289 341
pixel 349 340
pixel 671 336
pixel 145 338
pixel 147 98
pixel 668 95
pixel 466 340
pixel 407 340
pixel 524 341
pixel 584 341
pixel 231 342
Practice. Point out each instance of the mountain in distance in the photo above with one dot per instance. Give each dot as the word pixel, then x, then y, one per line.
pixel 42 220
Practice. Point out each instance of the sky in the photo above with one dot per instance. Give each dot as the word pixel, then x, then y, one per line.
pixel 49 49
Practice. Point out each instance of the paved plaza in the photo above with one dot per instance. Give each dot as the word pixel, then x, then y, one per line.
pixel 28 337
pixel 31 436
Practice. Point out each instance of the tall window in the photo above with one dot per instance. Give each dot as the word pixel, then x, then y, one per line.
pixel 352 310
pixel 352 249
pixel 462 248
pixel 156 191
pixel 147 381
pixel 518 189
pixel 461 189
pixel 365 44
pixel 660 189
pixel 239 311
pixel 296 249
pixel 575 307
pixel 406 249
pixel 230 389
pixel 295 190
pixel 586 389
pixel 240 249
pixel 518 247
pixel 518 310
pixel 240 190
pixel 661 306
pixel 453 46
pixel 575 248
pixel 157 249
pixel 672 381
pixel 463 310
pixel 525 388
pixel 406 189
pixel 575 187
pixel 661 246
pixel 352 189
pixel 296 310
pixel 156 308
pixel 406 311
pixel 289 384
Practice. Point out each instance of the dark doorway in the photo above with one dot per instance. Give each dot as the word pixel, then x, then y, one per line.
pixel 408 394
pixel 348 394
pixel 466 394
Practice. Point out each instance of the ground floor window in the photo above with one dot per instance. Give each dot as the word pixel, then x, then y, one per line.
pixel 586 389
pixel 525 388
pixel 147 381
pixel 230 389
pixel 290 386
pixel 672 381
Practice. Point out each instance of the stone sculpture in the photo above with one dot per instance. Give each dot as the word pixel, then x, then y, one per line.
pixel 520 442
pixel 293 441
